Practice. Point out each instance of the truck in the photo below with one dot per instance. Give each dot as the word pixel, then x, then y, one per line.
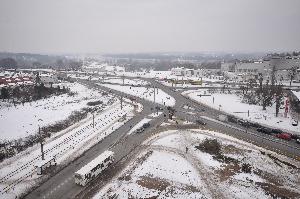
pixel 223 118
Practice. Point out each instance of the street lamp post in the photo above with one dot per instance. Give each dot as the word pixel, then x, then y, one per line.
pixel 41 141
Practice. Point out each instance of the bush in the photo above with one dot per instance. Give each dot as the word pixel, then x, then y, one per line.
pixel 95 103
pixel 210 146
pixel 246 168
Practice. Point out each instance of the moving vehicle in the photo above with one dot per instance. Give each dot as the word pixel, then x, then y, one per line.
pixel 264 130
pixel 146 125
pixel 284 136
pixel 140 130
pixel 277 131
pixel 200 122
pixel 94 168
pixel 243 122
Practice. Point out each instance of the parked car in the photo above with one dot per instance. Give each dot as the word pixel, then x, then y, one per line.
pixel 285 136
pixel 264 130
pixel 298 141
pixel 146 125
pixel 200 122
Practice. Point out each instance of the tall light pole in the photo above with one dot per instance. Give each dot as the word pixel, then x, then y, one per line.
pixel 154 94
pixel 41 141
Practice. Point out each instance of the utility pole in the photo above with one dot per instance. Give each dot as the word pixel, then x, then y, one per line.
pixel 121 102
pixel 154 94
pixel 42 145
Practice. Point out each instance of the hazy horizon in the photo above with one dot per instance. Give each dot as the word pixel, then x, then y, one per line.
pixel 141 26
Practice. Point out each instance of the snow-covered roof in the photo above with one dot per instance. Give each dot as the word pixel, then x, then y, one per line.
pixel 87 168
pixel 43 162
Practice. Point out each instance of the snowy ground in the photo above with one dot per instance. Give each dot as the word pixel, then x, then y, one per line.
pixel 171 167
pixel 18 174
pixel 232 104
pixel 21 121
pixel 146 93
pixel 164 75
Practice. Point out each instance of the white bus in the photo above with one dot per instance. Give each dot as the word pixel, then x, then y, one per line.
pixel 93 168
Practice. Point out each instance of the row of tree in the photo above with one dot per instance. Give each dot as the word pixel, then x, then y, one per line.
pixel 11 63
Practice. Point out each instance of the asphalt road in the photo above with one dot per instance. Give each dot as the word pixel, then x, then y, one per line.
pixel 62 185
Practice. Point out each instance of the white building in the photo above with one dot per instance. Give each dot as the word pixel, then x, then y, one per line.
pixel 179 71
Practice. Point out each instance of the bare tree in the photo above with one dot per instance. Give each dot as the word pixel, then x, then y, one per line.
pixel 278 97
pixel 292 73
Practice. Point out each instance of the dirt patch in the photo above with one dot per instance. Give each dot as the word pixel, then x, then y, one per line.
pixel 276 191
pixel 268 176
pixel 227 171
pixel 153 183
pixel 277 161
pixel 125 177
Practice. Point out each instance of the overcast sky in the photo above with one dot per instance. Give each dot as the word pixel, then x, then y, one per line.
pixel 119 26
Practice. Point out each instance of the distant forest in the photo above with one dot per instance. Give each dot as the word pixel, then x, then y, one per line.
pixel 26 60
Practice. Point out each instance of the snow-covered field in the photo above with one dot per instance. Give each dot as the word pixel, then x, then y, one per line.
pixel 21 121
pixel 18 174
pixel 170 166
pixel 146 93
pixel 232 104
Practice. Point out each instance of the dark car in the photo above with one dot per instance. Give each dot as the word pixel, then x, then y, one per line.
pixel 200 122
pixel 146 125
pixel 295 136
pixel 264 130
pixel 243 123
pixel 158 108
pixel 277 131
pixel 298 141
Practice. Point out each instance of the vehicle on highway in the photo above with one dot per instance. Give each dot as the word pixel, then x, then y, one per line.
pixel 159 108
pixel 140 130
pixel 243 122
pixel 295 136
pixel 264 130
pixel 284 136
pixel 146 125
pixel 200 122
pixel 94 168
pixel 277 131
